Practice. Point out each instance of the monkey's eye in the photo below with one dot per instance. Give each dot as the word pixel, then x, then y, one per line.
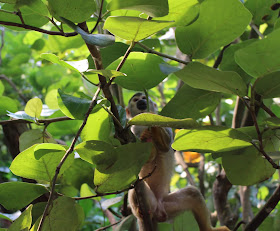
pixel 135 99
pixel 144 97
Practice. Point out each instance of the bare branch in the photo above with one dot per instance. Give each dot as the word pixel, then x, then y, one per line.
pixel 38 29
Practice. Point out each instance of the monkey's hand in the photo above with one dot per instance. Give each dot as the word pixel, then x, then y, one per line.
pixel 222 228
pixel 161 139
pixel 146 135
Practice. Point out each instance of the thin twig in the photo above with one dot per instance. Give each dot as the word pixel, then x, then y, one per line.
pixel 162 55
pixel 220 57
pixel 14 87
pixel 108 226
pixel 38 29
pixel 256 29
pixel 68 152
pixel 41 121
pixel 20 16
pixel 99 17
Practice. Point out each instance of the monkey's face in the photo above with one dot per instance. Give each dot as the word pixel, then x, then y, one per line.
pixel 138 104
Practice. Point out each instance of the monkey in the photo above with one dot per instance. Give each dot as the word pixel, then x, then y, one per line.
pixel 163 205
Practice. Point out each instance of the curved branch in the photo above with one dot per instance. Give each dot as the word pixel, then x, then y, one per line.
pixel 38 29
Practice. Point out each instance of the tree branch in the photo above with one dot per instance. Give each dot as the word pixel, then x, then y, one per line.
pixel 265 211
pixel 38 29
pixel 68 152
pixel 42 121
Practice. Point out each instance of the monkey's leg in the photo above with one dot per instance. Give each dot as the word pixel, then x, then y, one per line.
pixel 190 198
pixel 141 198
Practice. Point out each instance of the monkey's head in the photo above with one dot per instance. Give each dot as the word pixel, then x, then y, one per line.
pixel 138 104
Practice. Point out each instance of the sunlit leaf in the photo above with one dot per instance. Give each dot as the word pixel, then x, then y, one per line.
pixel 154 8
pixel 34 107
pixel 210 139
pixel 133 28
pixel 148 119
pixel 203 77
pixel 182 104
pixel 24 221
pixel 72 10
pixel 139 67
pixel 260 52
pixel 211 30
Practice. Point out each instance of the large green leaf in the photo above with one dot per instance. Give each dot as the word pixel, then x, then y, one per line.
pixel 7 105
pixel 72 10
pixel 182 104
pixel 182 12
pixel 148 119
pixel 200 76
pixel 142 70
pixel 260 52
pixel 133 28
pixel 125 170
pixel 246 166
pixel 101 122
pixel 16 195
pixel 23 222
pixel 34 107
pixel 2 88
pixel 97 152
pixel 71 106
pixel 29 16
pixel 185 222
pixel 268 86
pixel 218 24
pixel 154 8
pixel 210 139
pixel 228 62
pixel 259 9
pixel 34 136
pixel 35 5
pixel 63 216
pixel 39 162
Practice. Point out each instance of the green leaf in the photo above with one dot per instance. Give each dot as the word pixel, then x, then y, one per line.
pixel 200 76
pixel 272 122
pixel 106 73
pixel 148 119
pixel 228 62
pixel 101 122
pixel 211 30
pixel 259 9
pixel 7 105
pixel 34 107
pixel 128 223
pixel 86 191
pixel 29 16
pixel 133 28
pixel 73 107
pixel 262 51
pixel 72 10
pixel 16 195
pixel 37 6
pixel 125 170
pixel 34 136
pixel 268 86
pixel 2 88
pixel 210 139
pixel 154 8
pixel 139 67
pixel 185 222
pixel 55 59
pixel 23 222
pixel 39 162
pixel 101 40
pixel 63 216
pixel 97 152
pixel 181 105
pixel 246 166
pixel 181 12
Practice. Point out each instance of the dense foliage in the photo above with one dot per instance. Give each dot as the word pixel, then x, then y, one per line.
pixel 67 70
